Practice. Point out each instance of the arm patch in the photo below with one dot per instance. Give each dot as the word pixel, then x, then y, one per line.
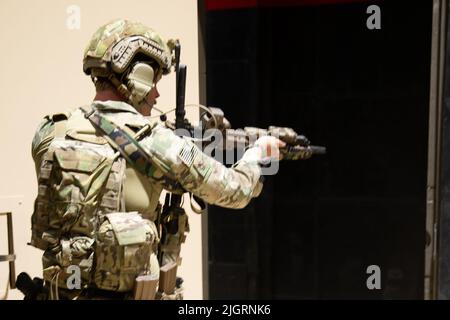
pixel 195 160
pixel 187 154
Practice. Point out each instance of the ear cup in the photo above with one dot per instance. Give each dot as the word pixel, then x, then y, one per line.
pixel 140 82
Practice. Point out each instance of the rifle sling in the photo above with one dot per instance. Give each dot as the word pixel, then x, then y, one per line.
pixel 121 141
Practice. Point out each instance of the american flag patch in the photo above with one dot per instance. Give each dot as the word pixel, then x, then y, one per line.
pixel 188 154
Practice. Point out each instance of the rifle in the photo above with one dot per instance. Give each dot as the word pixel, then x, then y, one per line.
pixel 173 219
pixel 298 147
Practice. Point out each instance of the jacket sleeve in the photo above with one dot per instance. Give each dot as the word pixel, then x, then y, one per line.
pixel 210 180
pixel 41 141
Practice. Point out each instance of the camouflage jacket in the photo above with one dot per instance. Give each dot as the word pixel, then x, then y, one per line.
pixel 199 173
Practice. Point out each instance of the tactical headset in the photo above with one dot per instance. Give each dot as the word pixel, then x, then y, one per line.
pixel 132 78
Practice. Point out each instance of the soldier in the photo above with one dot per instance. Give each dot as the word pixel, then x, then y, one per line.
pixel 101 169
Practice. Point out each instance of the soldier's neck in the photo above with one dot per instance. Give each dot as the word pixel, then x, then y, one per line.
pixel 105 95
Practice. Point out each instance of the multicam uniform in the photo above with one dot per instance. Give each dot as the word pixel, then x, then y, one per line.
pixel 96 211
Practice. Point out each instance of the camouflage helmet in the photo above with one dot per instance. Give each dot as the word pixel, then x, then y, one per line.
pixel 131 56
pixel 114 45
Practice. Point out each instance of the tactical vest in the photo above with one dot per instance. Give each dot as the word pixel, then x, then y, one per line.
pixel 79 217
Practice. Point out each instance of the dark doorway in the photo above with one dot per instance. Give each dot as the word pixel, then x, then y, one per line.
pixel 362 93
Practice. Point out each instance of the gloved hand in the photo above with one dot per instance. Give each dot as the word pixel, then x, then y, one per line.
pixel 269 148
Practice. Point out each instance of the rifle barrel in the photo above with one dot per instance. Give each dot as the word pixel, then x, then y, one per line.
pixel 318 149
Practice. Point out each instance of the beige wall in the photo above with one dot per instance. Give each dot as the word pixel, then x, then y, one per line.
pixel 41 73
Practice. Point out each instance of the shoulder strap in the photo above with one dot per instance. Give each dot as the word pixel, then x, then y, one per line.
pixel 60 121
pixel 122 141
